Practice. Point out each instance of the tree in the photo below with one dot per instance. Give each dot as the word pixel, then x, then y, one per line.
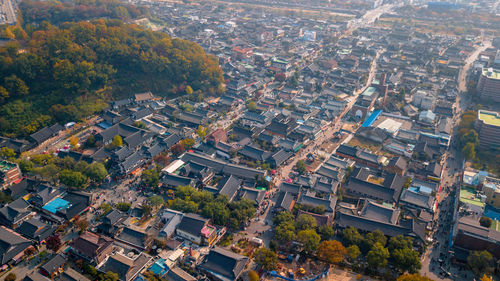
pixel 326 232
pixel 353 252
pixel 7 153
pixel 123 206
pixel 305 221
pixel 156 200
pixel 117 141
pixel 53 243
pixel 486 278
pixel 485 221
pixel 96 172
pixel 217 211
pixel 178 149
pixel 266 258
pixel 285 231
pixel 189 90
pixel 73 141
pixel 481 262
pixel 377 256
pixel 201 132
pixel 413 277
pixel 406 259
pixel 284 216
pixel 309 239
pixel 151 178
pixel 187 143
pixel 331 251
pixel 10 277
pixel 82 224
pixel 252 106
pixel 371 238
pixel 146 210
pixel 90 141
pixel 300 166
pixel 351 236
pixel 470 137
pixel 399 242
pixel 72 178
pixel 110 276
pixel 253 275
pixel 469 151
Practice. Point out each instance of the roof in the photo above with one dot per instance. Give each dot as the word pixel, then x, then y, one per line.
pixel 417 199
pixel 176 180
pixel 254 153
pixel 35 229
pixel 91 244
pixel 70 274
pixel 177 274
pixel 285 200
pixel 380 212
pixel 388 191
pixel 35 276
pixel 14 211
pixel 126 268
pixel 253 194
pixel 192 224
pixel 309 199
pixel 229 186
pixel 144 96
pixel 53 264
pixel 133 237
pixel 11 244
pixel 225 264
pixel 281 156
pixel 491 73
pixel 489 117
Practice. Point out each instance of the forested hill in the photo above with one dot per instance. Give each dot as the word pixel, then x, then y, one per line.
pixel 64 73
pixel 57 12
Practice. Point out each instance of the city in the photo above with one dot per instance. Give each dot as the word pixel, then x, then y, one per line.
pixel 293 140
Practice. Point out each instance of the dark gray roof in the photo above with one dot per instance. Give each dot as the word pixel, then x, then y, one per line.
pixel 35 276
pixel 192 224
pixel 290 188
pixel 126 268
pixel 253 194
pixel 280 157
pixel 309 199
pixel 174 180
pixel 120 129
pixel 177 274
pixel 14 212
pixel 133 237
pixel 285 200
pixel 417 199
pixel 229 186
pixel 224 263
pixel 35 229
pixel 11 244
pixel 254 153
pixel 388 191
pixel 53 264
pixel 70 274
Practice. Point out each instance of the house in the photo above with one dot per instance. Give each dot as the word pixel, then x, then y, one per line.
pixel 9 174
pixel 127 268
pixel 285 201
pixel 45 195
pixel 469 235
pixel 364 183
pixel 143 97
pixel 412 199
pixel 229 187
pixel 172 181
pixel 21 188
pixel 170 219
pixel 112 222
pixel 36 230
pixel 93 247
pixel 69 274
pixel 254 153
pixel 134 237
pixel 370 216
pixel 309 198
pixel 14 213
pixel 224 265
pixel 53 266
pixel 253 194
pixel 216 136
pixel 177 274
pixel 46 133
pixel 279 157
pixel 35 276
pixel 13 246
pixel 196 229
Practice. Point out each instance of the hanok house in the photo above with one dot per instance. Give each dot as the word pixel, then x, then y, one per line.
pixel 13 214
pixel 36 230
pixel 92 247
pixel 385 187
pixel 127 268
pixel 13 246
pixel 53 266
pixel 224 265
pixel 196 229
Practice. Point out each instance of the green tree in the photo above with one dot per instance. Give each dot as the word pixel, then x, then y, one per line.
pixel 252 106
pixel 377 256
pixel 73 179
pixel 253 275
pixel 123 206
pixel 470 137
pixel 485 221
pixel 156 200
pixel 151 178
pixel 266 258
pixel 117 141
pixel 406 260
pixel 399 242
pixel 351 236
pixel 326 232
pixel 353 252
pixel 146 210
pixel 285 231
pixel 110 276
pixel 305 221
pixel 96 172
pixel 373 237
pixel 309 239
pixel 201 132
pixel 284 216
pixel 7 153
pixel 481 262
pixel 331 251
pixel 10 277
pixel 187 143
pixel 300 166
pixel 217 211
pixel 469 151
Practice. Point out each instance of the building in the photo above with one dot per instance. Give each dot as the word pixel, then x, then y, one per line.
pixel 9 174
pixel 491 188
pixel 92 247
pixel 13 246
pixel 224 265
pixel 488 86
pixel 196 229
pixel 488 128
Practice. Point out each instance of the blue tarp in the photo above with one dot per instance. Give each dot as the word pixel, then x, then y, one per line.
pixel 56 204
pixel 369 121
pixel 159 267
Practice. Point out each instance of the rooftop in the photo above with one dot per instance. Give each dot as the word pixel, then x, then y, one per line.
pixel 489 117
pixel 369 91
pixel 468 196
pixel 5 166
pixel 491 73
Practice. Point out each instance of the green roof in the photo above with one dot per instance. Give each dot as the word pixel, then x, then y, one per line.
pixel 369 91
pixel 5 166
pixel 489 117
pixel 468 196
pixel 491 73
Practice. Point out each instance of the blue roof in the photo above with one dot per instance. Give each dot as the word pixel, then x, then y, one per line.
pixel 56 204
pixel 369 121
pixel 159 267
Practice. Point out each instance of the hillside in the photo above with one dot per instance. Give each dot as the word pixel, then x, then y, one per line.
pixel 65 73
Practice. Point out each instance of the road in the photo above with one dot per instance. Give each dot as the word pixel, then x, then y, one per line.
pixel 431 266
pixel 7 8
